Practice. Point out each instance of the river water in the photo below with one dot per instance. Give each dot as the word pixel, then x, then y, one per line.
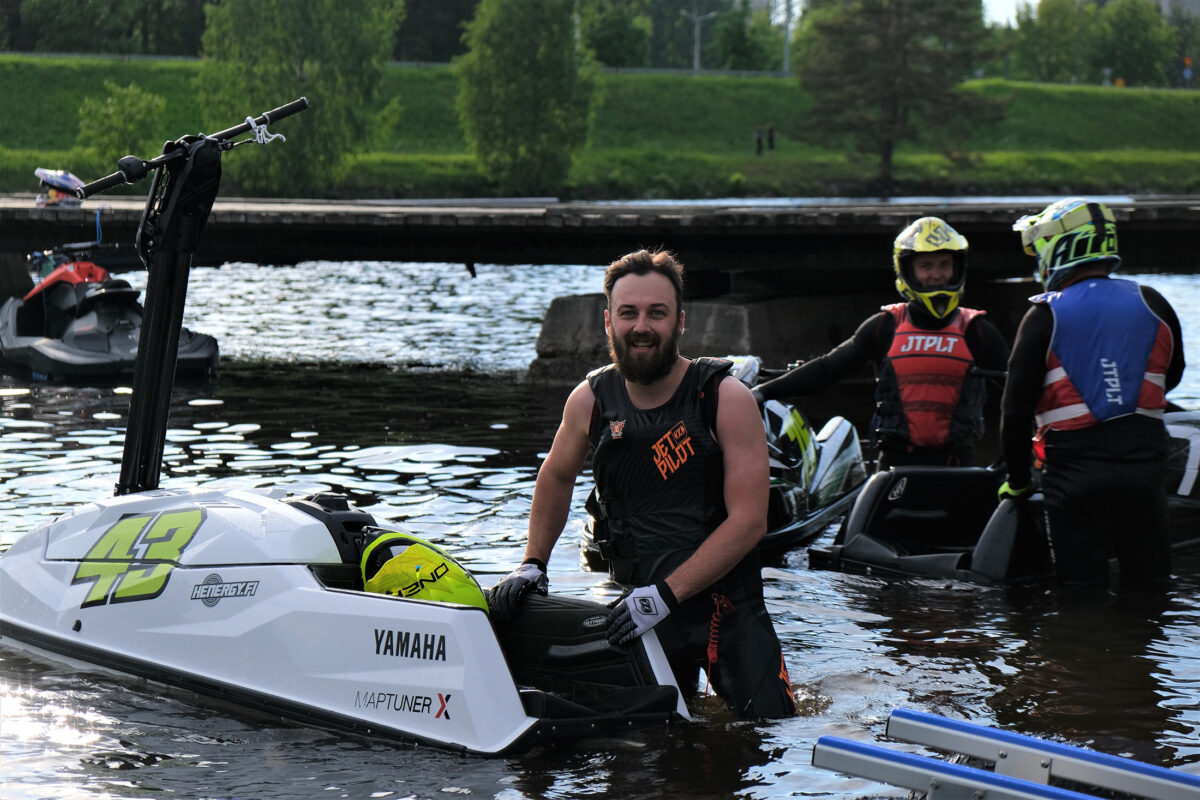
pixel 401 385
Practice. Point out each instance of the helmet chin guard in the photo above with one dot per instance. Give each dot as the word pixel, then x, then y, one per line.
pixel 1068 235
pixel 930 235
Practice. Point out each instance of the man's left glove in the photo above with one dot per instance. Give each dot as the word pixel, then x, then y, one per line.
pixel 504 599
pixel 639 611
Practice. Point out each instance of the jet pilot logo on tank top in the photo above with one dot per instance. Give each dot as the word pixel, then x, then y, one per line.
pixel 672 450
pixel 616 428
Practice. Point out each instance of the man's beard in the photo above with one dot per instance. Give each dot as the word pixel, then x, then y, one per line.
pixel 644 367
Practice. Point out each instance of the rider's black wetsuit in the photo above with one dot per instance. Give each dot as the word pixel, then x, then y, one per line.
pixel 870 344
pixel 659 494
pixel 1103 484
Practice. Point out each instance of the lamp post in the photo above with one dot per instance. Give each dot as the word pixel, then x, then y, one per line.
pixel 787 37
pixel 697 20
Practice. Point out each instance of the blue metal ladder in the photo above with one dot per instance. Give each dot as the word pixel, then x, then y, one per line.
pixel 1024 765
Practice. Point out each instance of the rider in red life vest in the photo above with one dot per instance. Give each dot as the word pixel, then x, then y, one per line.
pixel 928 398
pixel 1090 368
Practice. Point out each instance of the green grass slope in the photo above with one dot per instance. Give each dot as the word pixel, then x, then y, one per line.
pixel 659 135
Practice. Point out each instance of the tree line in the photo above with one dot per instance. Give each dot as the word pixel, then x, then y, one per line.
pixel 735 34
pixel 1117 42
pixel 880 72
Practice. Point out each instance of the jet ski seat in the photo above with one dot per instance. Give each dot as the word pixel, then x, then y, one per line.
pixel 47 313
pixel 112 291
pixel 559 655
pixel 929 508
pixel 346 525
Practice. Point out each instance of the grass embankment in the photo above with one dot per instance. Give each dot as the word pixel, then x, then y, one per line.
pixel 664 135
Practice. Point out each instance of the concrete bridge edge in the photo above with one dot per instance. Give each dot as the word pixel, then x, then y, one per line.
pixel 779 330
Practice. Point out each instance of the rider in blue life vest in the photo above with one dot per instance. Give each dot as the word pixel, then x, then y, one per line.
pixel 1090 368
pixel 928 399
pixel 680 495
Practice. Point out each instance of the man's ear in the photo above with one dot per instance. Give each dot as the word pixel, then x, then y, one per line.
pixel 682 314
pixel 607 322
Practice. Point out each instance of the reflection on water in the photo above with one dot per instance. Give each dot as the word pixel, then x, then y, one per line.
pixel 451 453
pixel 409 315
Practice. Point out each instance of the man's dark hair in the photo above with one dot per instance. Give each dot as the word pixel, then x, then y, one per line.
pixel 643 262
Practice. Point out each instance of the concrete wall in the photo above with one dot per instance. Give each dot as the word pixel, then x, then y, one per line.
pixel 779 330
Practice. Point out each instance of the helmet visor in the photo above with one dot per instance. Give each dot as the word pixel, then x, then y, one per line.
pixel 1034 228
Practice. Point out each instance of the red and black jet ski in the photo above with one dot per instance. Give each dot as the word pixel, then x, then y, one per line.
pixel 78 322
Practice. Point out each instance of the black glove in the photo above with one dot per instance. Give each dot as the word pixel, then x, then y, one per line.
pixel 504 599
pixel 638 611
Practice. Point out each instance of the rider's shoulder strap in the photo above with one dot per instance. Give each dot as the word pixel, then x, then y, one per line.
pixel 710 389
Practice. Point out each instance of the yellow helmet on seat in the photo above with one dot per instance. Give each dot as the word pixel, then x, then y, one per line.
pixel 930 235
pixel 400 564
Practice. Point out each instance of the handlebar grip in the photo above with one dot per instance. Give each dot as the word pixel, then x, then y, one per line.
pixel 286 110
pixel 267 117
pixel 130 169
pixel 101 185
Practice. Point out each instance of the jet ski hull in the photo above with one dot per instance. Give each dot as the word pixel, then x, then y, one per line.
pixel 945 522
pixel 255 601
pixel 100 345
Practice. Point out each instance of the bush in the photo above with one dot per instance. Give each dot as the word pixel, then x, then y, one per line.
pixel 121 123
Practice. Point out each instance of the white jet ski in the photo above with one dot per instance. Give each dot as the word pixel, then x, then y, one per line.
pixel 262 599
pixel 258 600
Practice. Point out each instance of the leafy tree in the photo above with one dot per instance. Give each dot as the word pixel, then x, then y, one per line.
pixel 433 29
pixel 1134 41
pixel 1055 42
pixel 996 58
pixel 617 35
pixel 1187 46
pixel 149 27
pixel 882 72
pixel 746 40
pixel 124 122
pixel 525 90
pixel 84 26
pixel 13 35
pixel 260 54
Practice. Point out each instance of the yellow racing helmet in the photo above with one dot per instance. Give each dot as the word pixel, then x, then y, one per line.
pixel 1069 234
pixel 400 564
pixel 930 235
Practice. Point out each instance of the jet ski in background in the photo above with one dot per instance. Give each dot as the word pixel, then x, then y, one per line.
pixel 945 522
pixel 59 186
pixel 814 477
pixel 78 322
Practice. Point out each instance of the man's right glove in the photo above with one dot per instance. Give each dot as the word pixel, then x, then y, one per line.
pixel 638 611
pixel 504 599
pixel 1006 492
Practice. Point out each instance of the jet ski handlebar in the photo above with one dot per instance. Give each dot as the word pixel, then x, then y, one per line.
pixel 131 169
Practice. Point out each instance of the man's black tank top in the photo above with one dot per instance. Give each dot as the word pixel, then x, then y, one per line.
pixel 659 472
